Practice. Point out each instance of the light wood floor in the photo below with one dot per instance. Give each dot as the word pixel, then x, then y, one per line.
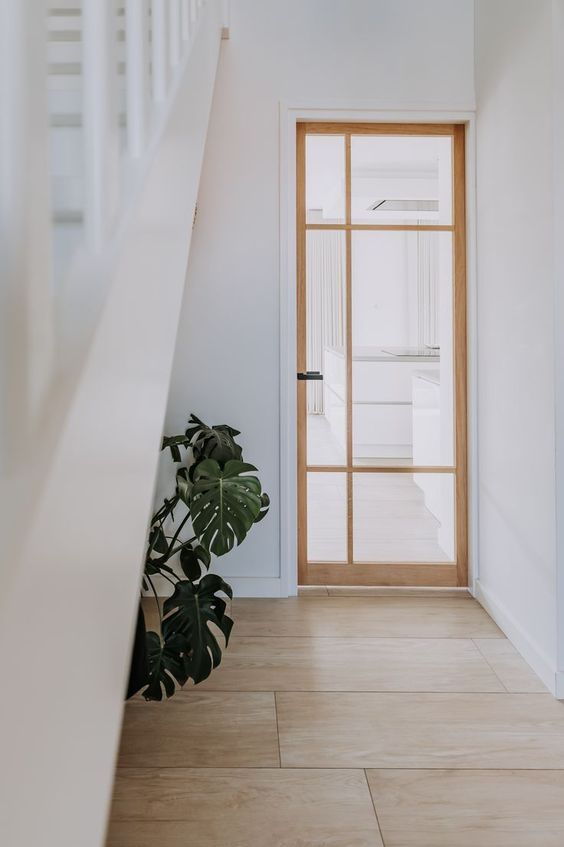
pixel 349 718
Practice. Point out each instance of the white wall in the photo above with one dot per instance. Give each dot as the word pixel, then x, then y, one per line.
pixel 515 193
pixel 558 246
pixel 404 53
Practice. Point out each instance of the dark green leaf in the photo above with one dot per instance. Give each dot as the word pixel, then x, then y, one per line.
pixel 224 503
pixel 213 442
pixel 168 664
pixel 157 540
pixel 183 485
pixel 192 559
pixel 264 507
pixel 189 612
pixel 174 442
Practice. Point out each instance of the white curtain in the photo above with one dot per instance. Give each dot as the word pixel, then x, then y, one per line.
pixel 428 289
pixel 325 277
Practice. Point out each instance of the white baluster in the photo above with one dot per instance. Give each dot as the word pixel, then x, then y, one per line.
pixel 226 11
pixel 174 31
pixel 159 50
pixel 185 19
pixel 26 294
pixel 101 142
pixel 137 70
pixel 193 11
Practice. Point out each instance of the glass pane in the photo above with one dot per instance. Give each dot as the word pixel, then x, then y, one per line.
pixel 325 179
pixel 327 517
pixel 403 517
pixel 401 179
pixel 326 328
pixel 402 388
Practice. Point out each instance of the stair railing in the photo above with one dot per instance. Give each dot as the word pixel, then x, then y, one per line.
pixel 80 434
pixel 158 36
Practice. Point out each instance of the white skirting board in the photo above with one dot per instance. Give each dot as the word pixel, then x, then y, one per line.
pixel 259 586
pixel 243 586
pixel 529 650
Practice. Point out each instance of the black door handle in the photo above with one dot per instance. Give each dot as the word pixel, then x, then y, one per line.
pixel 310 375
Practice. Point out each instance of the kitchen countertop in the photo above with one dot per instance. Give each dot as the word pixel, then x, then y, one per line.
pixel 377 354
pixel 432 375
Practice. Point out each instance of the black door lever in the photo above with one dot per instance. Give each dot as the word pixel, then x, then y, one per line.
pixel 310 375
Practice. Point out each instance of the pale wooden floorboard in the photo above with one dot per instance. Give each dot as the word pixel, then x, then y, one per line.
pixel 312 591
pixel 483 808
pixel 272 750
pixel 365 617
pixel 509 665
pixel 367 730
pixel 242 808
pixel 197 728
pixel 353 664
pixel 391 591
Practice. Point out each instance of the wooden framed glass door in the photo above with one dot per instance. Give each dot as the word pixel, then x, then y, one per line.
pixel 381 354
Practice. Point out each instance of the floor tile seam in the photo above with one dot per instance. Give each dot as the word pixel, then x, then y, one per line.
pixel 483 655
pixel 373 802
pixel 139 705
pixel 359 768
pixel 277 731
pixel 383 637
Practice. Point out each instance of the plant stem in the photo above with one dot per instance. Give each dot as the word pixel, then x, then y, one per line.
pixel 166 510
pixel 177 533
pixel 180 546
pixel 150 581
pixel 164 576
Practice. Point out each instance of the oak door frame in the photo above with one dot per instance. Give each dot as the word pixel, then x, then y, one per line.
pixel 290 115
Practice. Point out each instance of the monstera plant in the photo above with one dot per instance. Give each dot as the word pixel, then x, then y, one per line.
pixel 218 498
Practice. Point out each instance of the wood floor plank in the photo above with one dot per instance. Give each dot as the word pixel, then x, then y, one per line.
pixel 242 808
pixel 362 617
pixel 394 591
pixel 312 591
pixel 201 729
pixel 481 808
pixel 347 730
pixel 462 769
pixel 353 664
pixel 509 665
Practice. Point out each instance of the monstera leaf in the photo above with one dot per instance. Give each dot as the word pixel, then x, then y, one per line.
pixel 193 559
pixel 167 664
pixel 224 503
pixel 264 506
pixel 157 540
pixel 174 443
pixel 213 442
pixel 188 614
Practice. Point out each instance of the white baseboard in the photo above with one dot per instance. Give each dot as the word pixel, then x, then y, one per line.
pixel 243 586
pixel 256 586
pixel 529 650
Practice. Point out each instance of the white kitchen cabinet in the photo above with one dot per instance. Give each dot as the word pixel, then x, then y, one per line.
pixel 382 401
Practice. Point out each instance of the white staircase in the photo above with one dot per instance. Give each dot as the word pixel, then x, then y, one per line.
pixel 102 134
